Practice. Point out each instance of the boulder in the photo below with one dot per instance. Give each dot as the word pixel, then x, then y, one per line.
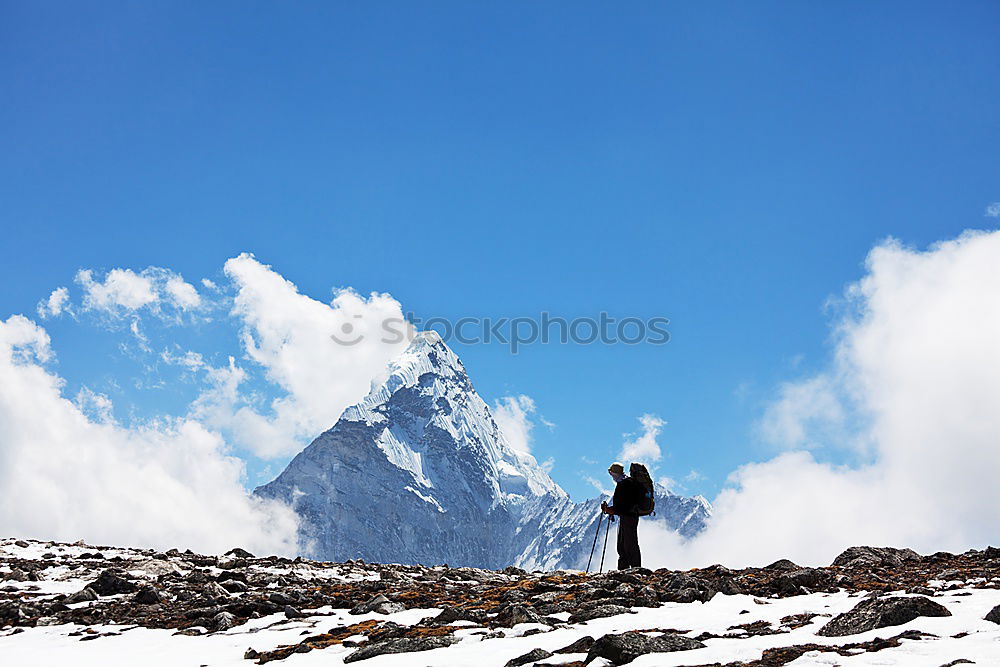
pixel 113 582
pixel 793 581
pixel 597 612
pixel 624 648
pixel 534 655
pixel 513 614
pixel 401 645
pixel 881 612
pixel 994 615
pixel 875 557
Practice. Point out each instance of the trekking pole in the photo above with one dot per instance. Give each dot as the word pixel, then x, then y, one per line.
pixel 600 519
pixel 607 529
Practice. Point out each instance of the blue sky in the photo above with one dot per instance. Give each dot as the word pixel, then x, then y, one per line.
pixel 726 166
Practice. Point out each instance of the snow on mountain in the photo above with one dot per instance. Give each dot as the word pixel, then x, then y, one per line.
pixel 419 472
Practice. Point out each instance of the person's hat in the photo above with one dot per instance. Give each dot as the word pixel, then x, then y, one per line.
pixel 616 468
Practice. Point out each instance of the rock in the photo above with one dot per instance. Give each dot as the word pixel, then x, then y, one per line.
pixel 581 645
pixel 250 654
pixel 792 582
pixel 881 612
pixel 875 557
pixel 534 655
pixel 379 604
pixel 401 645
pixel 450 614
pixel 113 582
pixel 148 595
pixel 239 553
pixel 783 564
pixel 598 612
pixel 626 647
pixel 513 614
pixel 86 595
pixel 235 586
pixel 215 591
pixel 994 615
pixel 21 543
pixel 223 621
pixel 158 568
pixel 960 661
pixel 280 598
pixel 292 612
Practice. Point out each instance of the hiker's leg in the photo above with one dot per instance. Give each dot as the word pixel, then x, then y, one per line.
pixel 629 541
pixel 637 556
pixel 622 544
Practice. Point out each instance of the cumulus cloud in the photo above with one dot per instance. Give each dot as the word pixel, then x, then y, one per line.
pixel 916 366
pixel 123 292
pixel 65 475
pixel 323 356
pixel 644 448
pixel 56 304
pixel 513 415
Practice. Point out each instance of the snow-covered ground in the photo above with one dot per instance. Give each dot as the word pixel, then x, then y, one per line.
pixel 963 635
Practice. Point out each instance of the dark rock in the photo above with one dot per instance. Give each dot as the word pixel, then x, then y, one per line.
pixel 597 612
pixel 581 645
pixel 280 598
pixel 86 595
pixel 21 543
pixel 379 604
pixel 875 557
pixel 450 614
pixel 401 645
pixel 292 612
pixel 223 621
pixel 149 595
pixel 626 647
pixel 792 582
pixel 250 654
pixel 881 612
pixel 239 553
pixel 994 615
pixel 513 614
pixel 783 564
pixel 113 582
pixel 215 591
pixel 534 655
pixel 235 586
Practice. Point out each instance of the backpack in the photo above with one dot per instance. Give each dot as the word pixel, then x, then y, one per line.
pixel 647 502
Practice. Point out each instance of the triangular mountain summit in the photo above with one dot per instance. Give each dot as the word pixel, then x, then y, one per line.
pixel 419 472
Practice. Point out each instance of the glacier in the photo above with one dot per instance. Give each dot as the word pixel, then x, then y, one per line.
pixel 418 472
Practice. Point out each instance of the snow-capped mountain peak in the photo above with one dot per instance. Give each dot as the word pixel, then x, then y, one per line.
pixel 419 471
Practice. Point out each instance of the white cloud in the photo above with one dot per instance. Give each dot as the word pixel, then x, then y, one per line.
pixel 694 476
pixel 806 414
pixel 645 447
pixel 121 288
pixel 993 210
pixel 513 415
pixel 123 292
pixel 289 335
pixel 603 489
pixel 164 484
pixel 56 304
pixel 182 293
pixel 917 367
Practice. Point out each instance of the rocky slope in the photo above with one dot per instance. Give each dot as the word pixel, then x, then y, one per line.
pixel 82 604
pixel 419 472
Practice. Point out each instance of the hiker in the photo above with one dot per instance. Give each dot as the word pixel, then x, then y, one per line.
pixel 629 494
